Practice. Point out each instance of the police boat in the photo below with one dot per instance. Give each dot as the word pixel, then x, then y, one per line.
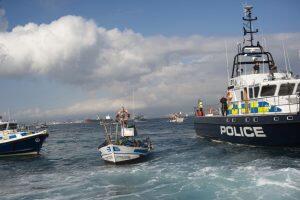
pixel 261 107
pixel 121 144
pixel 19 142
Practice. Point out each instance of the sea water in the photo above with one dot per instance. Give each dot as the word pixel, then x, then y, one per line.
pixel 182 166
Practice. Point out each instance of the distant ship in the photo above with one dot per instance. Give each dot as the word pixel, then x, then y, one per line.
pixel 261 107
pixel 98 120
pixel 90 121
pixel 139 118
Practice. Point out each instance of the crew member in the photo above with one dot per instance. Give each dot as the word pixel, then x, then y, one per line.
pixel 256 67
pixel 224 107
pixel 272 69
pixel 123 116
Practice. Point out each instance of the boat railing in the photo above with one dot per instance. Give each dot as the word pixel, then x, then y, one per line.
pixel 290 104
pixel 210 110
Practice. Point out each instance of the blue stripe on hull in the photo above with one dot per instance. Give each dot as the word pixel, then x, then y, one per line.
pixel 278 132
pixel 23 146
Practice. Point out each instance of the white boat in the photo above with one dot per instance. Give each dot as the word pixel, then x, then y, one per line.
pixel 121 153
pixel 176 118
pixel 121 144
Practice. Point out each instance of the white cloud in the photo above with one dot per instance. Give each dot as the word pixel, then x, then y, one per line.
pixel 163 71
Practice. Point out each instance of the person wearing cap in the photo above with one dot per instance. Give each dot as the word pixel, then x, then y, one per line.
pixel 256 67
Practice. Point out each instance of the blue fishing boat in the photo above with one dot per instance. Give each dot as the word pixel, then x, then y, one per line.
pixel 16 142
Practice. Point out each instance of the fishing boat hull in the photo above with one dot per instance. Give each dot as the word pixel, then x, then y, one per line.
pixel 255 130
pixel 25 144
pixel 177 120
pixel 121 154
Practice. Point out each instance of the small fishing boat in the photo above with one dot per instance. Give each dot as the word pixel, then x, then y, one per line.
pixel 15 142
pixel 176 118
pixel 121 143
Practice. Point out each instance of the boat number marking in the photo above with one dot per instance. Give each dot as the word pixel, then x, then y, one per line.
pixel 242 131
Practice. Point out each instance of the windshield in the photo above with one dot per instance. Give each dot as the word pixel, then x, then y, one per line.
pixel 12 126
pixel 286 89
pixel 268 90
pixel 3 127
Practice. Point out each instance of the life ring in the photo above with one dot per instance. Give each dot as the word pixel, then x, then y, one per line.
pixel 229 95
pixel 123 115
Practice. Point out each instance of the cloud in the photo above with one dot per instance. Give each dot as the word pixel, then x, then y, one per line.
pixel 163 71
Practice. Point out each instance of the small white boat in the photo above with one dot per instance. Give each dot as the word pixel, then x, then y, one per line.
pixel 121 144
pixel 176 118
pixel 121 153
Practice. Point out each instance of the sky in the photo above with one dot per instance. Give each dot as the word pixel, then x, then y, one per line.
pixel 71 59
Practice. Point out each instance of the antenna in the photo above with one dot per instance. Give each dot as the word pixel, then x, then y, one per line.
pixel 133 107
pixel 288 60
pixel 227 64
pixel 284 55
pixel 248 25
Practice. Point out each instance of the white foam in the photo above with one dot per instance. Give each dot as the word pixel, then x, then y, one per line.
pixel 264 181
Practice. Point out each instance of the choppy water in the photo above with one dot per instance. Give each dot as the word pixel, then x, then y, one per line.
pixel 181 167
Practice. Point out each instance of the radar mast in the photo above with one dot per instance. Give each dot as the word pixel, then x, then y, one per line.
pixel 248 23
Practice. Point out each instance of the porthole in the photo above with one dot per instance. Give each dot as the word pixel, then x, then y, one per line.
pixel 255 119
pixel 289 118
pixel 276 119
pixel 233 119
pixel 247 119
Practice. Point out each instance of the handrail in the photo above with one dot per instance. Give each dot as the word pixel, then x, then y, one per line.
pixel 276 99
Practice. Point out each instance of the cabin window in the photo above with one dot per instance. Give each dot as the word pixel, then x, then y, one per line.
pixel 251 93
pixel 268 90
pixel 256 90
pixel 286 89
pixel 3 127
pixel 12 126
pixel 298 88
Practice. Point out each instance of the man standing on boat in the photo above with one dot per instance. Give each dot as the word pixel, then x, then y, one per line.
pixel 223 102
pixel 256 67
pixel 123 116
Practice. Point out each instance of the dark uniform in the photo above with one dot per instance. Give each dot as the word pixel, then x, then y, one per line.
pixel 224 107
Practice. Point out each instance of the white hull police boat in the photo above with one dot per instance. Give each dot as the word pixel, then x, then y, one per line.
pixel 14 142
pixel 121 144
pixel 261 107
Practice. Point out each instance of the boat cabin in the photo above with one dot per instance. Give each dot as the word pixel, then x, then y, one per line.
pixel 256 86
pixel 8 126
